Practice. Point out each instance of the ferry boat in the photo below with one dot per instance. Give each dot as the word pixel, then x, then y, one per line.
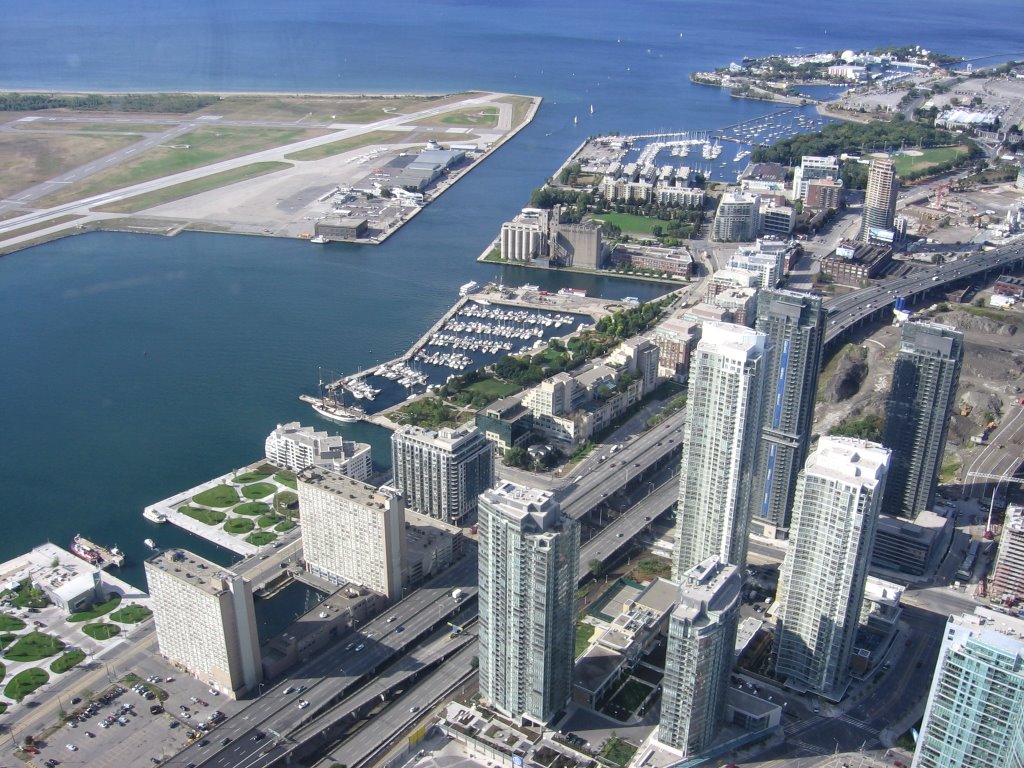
pixel 153 516
pixel 528 287
pixel 150 543
pixel 571 292
pixel 468 288
pixel 319 240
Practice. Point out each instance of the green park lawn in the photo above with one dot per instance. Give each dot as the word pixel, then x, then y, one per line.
pixel 10 623
pixel 101 630
pixel 627 222
pixel 907 164
pixel 617 751
pixel 131 614
pixel 287 479
pixel 218 496
pixel 583 634
pixel 3 671
pixel 493 389
pixel 239 525
pixel 251 477
pixel 261 538
pixel 97 610
pixel 284 525
pixel 208 516
pixel 258 490
pixel 266 521
pixel 25 682
pixel 68 661
pixel 6 639
pixel 34 646
pixel 252 508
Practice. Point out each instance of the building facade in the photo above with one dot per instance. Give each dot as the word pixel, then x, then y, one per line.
pixel 879 200
pixel 738 218
pixel 812 167
pixel 295 447
pixel 526 237
pixel 442 473
pixel 351 532
pixel 528 564
pixel 205 620
pixel 821 590
pixel 1008 578
pixel 921 399
pixel 699 656
pixel 975 711
pixel 719 446
pixel 795 326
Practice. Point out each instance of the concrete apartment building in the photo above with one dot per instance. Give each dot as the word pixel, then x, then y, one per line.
pixel 351 532
pixel 879 213
pixel 295 447
pixel 824 195
pixel 720 446
pixel 974 716
pixel 766 258
pixel 811 168
pixel 795 326
pixel 528 563
pixel 441 473
pixel 676 340
pixel 921 399
pixel 821 584
pixel 1008 578
pixel 699 656
pixel 205 620
pixel 738 218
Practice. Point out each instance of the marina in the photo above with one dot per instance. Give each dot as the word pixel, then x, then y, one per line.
pixel 96 554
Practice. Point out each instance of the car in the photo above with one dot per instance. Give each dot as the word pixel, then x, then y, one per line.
pixel 168 679
pixel 155 760
pixel 303 703
pixel 174 724
pixel 618 535
pixel 184 707
pixel 186 715
pixel 226 740
pixel 399 628
pixel 76 700
pixel 51 763
pixel 194 699
pixel 350 646
pixel 104 724
pixel 259 736
pixel 214 692
pixel 414 709
pixel 202 702
pixel 71 747
pixel 290 689
pixel 90 734
pixel 391 619
pixel 156 709
pixel 302 688
pixel 360 647
pixel 204 742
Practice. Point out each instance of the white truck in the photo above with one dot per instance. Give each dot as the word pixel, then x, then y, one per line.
pixel 457 595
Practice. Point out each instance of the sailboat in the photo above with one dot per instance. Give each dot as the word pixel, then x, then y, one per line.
pixel 591 109
pixel 575 120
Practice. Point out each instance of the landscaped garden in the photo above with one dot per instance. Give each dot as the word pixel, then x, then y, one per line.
pixel 252 476
pixel 286 478
pixel 34 646
pixel 252 508
pixel 218 496
pixel 101 630
pixel 25 682
pixel 284 525
pixel 239 525
pixel 67 661
pixel 258 490
pixel 131 614
pixel 10 623
pixel 208 516
pixel 617 751
pixel 261 538
pixel 97 610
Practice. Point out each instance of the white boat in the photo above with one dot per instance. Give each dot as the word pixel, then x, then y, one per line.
pixel 341 414
pixel 150 543
pixel 468 288
pixel 154 517
pixel 319 240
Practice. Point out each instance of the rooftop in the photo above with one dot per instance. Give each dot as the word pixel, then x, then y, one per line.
pixel 186 566
pixel 343 486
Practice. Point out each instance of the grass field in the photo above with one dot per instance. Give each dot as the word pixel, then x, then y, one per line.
pixel 520 107
pixel 639 225
pixel 493 389
pixel 285 498
pixel 336 108
pixel 3 672
pixel 101 630
pixel 208 516
pixel 652 567
pixel 131 614
pixel 10 623
pixel 195 149
pixel 286 478
pixel 239 525
pixel 40 225
pixel 284 525
pixel 631 695
pixel 486 117
pixel 34 646
pixel 265 521
pixel 96 611
pixel 31 158
pixel 583 634
pixel 189 188
pixel 252 508
pixel 258 490
pixel 6 639
pixel 218 496
pixel 261 538
pixel 68 126
pixel 346 145
pixel 905 164
pixel 67 661
pixel 617 751
pixel 251 477
pixel 25 682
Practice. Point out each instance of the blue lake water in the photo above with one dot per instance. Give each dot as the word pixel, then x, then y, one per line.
pixel 134 367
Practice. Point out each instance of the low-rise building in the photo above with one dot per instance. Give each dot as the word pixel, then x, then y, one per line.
pixel 337 227
pixel 507 423
pixel 777 220
pixel 294 447
pixel 824 194
pixel 673 261
pixel 853 262
pixel 912 547
pixel 675 339
pixel 431 546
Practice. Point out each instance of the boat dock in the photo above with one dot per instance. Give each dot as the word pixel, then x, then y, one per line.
pixel 96 554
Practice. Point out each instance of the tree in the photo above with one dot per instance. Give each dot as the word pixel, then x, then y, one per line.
pixel 474 663
pixel 517 457
pixel 596 568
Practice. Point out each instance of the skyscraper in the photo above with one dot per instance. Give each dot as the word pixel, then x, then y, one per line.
pixel 879 199
pixel 699 656
pixel 442 473
pixel 795 326
pixel 975 711
pixel 921 399
pixel 350 532
pixel 205 620
pixel 529 558
pixel 838 496
pixel 719 446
